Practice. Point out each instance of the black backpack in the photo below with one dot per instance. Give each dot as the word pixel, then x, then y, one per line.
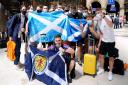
pixel 118 67
pixel 116 53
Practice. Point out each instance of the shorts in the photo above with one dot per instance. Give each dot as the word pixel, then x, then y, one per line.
pixel 67 61
pixel 80 42
pixel 107 47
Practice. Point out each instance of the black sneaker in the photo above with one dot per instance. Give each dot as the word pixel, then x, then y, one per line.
pixel 69 79
pixel 73 75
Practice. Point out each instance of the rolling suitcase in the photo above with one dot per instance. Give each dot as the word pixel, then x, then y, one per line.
pixel 89 66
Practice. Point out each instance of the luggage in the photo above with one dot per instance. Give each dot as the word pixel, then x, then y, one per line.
pixel 125 66
pixel 89 66
pixel 118 67
pixel 116 53
pixel 11 50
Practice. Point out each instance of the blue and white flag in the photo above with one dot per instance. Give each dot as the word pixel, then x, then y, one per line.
pixel 43 27
pixel 74 30
pixel 48 66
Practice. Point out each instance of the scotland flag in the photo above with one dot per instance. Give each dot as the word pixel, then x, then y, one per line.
pixel 48 67
pixel 74 30
pixel 44 26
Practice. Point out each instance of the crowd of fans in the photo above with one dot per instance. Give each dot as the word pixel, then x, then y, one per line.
pixel 99 24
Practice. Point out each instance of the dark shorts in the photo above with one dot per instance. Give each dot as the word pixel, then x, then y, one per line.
pixel 108 47
pixel 80 42
pixel 67 61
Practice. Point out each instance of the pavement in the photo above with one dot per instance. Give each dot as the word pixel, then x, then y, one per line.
pixel 10 76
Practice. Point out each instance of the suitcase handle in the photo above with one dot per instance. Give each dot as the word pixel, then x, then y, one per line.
pixel 91 40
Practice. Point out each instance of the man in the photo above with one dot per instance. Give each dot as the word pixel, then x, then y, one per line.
pixel 106 43
pixel 39 9
pixel 16 31
pixel 45 8
pixel 67 53
pixel 74 14
pixel 52 8
pixel 59 8
pixel 87 30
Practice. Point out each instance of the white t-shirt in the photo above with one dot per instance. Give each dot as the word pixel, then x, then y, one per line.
pixel 108 32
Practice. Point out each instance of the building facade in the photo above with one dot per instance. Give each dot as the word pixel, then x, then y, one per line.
pixel 126 9
pixel 103 4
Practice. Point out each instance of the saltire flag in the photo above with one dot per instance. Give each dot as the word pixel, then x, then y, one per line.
pixel 48 66
pixel 74 30
pixel 43 27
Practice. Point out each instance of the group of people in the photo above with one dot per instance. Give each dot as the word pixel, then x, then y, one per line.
pixel 99 27
pixel 118 21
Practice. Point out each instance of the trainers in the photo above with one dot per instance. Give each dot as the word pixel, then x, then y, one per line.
pixel 80 63
pixel 21 65
pixel 110 76
pixel 69 79
pixel 100 71
pixel 16 67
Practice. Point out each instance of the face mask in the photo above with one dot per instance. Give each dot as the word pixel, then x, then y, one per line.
pixel 98 16
pixel 60 10
pixel 23 12
pixel 84 14
pixel 66 10
pixel 39 11
pixel 89 22
pixel 72 11
pixel 45 10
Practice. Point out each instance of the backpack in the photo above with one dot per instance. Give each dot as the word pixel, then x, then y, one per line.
pixel 118 67
pixel 116 53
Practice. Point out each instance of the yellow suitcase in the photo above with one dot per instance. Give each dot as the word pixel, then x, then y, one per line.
pixel 89 66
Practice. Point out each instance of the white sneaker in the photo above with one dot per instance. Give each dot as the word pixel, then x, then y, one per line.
pixel 110 76
pixel 100 71
pixel 16 67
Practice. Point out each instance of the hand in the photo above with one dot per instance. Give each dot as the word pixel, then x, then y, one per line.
pixel 70 50
pixel 22 29
pixel 102 14
pixel 26 33
pixel 61 49
pixel 10 38
pixel 85 28
pixel 81 26
pixel 91 28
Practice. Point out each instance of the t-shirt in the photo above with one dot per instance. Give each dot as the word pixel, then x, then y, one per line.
pixel 108 32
